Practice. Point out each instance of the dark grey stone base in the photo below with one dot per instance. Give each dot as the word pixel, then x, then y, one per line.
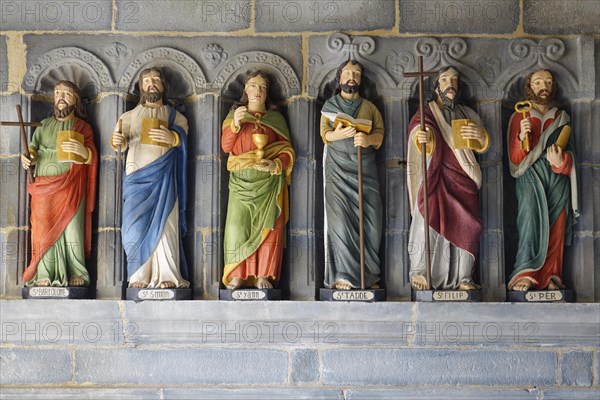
pixel 154 294
pixel 541 296
pixel 367 295
pixel 250 294
pixel 56 292
pixel 459 296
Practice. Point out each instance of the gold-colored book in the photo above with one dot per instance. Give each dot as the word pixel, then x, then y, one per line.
pixel 458 140
pixel 563 137
pixel 151 123
pixel 63 156
pixel 361 125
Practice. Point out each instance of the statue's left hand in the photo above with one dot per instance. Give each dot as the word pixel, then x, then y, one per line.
pixel 73 146
pixel 554 155
pixel 472 131
pixel 162 135
pixel 266 165
pixel 362 139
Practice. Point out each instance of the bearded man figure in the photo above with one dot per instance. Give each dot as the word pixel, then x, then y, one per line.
pixel 63 195
pixel 154 188
pixel 454 179
pixel 546 187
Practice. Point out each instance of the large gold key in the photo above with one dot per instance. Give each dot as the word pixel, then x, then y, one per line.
pixel 524 107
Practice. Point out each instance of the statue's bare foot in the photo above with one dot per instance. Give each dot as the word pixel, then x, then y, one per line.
pixel 418 282
pixel 263 283
pixel 76 281
pixel 552 285
pixel 523 285
pixel 343 284
pixel 167 285
pixel 139 285
pixel 466 286
pixel 45 282
pixel 375 286
pixel 235 283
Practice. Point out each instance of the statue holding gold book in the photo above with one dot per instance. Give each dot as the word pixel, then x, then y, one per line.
pixel 546 185
pixel 453 134
pixel 260 162
pixel 63 194
pixel 352 130
pixel 154 187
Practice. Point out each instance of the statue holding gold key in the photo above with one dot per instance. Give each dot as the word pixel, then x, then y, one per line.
pixel 154 187
pixel 542 159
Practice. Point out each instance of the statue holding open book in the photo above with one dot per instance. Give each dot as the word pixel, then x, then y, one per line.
pixel 350 122
pixel 453 134
pixel 63 195
pixel 154 188
pixel 542 159
pixel 260 162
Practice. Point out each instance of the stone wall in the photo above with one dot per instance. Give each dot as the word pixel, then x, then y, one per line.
pixel 393 350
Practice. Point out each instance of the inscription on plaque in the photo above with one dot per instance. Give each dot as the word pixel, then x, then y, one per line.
pixel 353 296
pixel 49 292
pixel 248 295
pixel 160 294
pixel 551 295
pixel 459 295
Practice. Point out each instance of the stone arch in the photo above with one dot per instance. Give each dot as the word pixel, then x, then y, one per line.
pixel 269 62
pixel 184 75
pixel 71 63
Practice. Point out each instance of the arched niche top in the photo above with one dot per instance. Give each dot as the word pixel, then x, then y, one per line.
pixel 271 63
pixel 347 48
pixel 68 63
pixel 184 75
pixel 532 55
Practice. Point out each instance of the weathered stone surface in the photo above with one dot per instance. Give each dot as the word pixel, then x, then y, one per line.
pixel 576 368
pixel 242 394
pixel 11 174
pixel 570 394
pixel 396 265
pixel 303 120
pixel 224 366
pixel 443 394
pixel 445 16
pixel 299 266
pixel 3 64
pixel 597 369
pixel 109 258
pixel 438 367
pixel 306 15
pixel 10 137
pixel 60 322
pixel 83 15
pixel 305 366
pixel 78 394
pixel 302 195
pixel 187 16
pixel 30 366
pixel 557 17
pixel 507 324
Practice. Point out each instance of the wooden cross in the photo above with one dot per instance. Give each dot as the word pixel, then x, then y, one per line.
pixel 22 125
pixel 421 74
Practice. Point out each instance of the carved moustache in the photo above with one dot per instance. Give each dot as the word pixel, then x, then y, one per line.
pixel 350 86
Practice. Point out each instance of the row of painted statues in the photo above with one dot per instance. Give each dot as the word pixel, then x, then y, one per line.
pixel 257 139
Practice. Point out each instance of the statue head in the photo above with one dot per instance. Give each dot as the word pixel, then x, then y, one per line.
pixel 445 86
pixel 67 99
pixel 349 77
pixel 540 87
pixel 153 87
pixel 256 90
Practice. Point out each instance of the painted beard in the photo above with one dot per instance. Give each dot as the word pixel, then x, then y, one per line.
pixel 152 97
pixel 448 102
pixel 65 112
pixel 347 88
pixel 536 97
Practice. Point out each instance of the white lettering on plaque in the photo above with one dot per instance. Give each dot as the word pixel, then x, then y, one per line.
pixel 248 295
pixel 551 295
pixel 458 295
pixel 159 294
pixel 49 292
pixel 353 296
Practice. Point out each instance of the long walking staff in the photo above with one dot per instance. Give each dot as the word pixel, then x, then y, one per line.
pixel 24 143
pixel 119 205
pixel 421 74
pixel 361 221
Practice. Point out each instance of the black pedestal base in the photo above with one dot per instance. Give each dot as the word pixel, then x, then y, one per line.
pixel 250 294
pixel 153 294
pixel 56 292
pixel 447 295
pixel 367 295
pixel 541 296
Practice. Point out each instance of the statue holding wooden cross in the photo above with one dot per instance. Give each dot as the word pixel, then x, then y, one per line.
pixel 63 192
